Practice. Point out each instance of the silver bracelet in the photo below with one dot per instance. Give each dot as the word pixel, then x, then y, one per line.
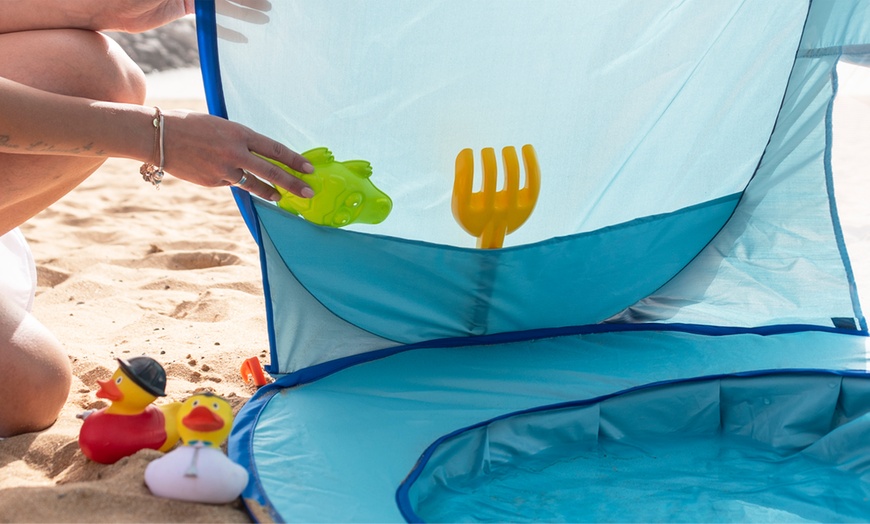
pixel 153 173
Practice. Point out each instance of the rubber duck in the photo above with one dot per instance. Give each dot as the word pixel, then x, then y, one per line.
pixel 131 422
pixel 197 470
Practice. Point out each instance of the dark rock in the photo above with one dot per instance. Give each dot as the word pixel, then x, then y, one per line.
pixel 172 46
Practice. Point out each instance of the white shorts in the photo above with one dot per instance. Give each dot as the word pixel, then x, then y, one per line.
pixel 17 269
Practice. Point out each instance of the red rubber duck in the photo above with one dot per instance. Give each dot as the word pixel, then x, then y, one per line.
pixel 131 422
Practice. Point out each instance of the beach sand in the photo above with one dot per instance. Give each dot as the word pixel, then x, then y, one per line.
pixel 126 270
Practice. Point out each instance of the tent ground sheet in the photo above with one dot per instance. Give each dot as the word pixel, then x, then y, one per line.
pixel 627 426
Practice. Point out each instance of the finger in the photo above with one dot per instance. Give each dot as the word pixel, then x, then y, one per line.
pixel 255 186
pixel 277 151
pixel 279 177
pixel 251 11
pixel 259 5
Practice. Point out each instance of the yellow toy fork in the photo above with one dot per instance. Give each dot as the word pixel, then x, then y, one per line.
pixel 491 213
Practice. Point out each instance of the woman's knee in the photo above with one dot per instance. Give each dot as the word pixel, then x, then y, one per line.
pixel 36 375
pixel 72 62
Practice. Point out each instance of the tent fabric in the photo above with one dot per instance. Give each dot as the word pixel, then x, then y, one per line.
pixel 660 89
pixel 772 241
pixel 337 449
pixel 747 106
pixel 686 230
pixel 374 285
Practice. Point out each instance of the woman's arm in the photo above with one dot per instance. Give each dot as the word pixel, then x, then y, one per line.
pixel 25 15
pixel 42 123
pixel 133 16
pixel 202 149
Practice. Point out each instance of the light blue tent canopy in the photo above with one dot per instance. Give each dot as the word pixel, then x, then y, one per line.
pixel 674 334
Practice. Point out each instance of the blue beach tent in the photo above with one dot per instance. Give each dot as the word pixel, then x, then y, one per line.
pixel 673 335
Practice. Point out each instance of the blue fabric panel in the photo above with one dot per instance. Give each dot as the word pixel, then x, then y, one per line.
pixel 755 448
pixel 411 291
pixel 780 259
pixel 765 410
pixel 635 108
pixel 337 449
pixel 305 331
pixel 837 27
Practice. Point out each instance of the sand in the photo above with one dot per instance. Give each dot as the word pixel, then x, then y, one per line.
pixel 126 270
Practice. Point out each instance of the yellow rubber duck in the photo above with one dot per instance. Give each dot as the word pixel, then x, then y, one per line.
pixel 198 471
pixel 131 422
pixel 205 418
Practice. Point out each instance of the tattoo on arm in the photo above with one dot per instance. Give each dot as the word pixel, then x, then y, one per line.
pixel 4 142
pixel 42 147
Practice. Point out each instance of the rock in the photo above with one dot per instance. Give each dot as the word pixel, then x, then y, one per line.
pixel 172 46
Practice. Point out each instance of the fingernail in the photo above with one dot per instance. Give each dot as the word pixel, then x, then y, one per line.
pixel 274 197
pixel 307 192
pixel 307 168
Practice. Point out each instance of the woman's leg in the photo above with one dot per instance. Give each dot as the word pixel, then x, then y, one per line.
pixel 69 62
pixel 35 373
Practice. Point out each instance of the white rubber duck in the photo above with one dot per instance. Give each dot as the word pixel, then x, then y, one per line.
pixel 198 471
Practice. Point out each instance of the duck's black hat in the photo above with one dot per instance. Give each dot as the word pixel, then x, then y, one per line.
pixel 147 373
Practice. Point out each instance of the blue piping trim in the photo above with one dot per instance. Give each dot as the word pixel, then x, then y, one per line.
pixel 839 50
pixel 271 367
pixel 242 439
pixel 206 37
pixel 319 371
pixel 832 200
pixel 402 493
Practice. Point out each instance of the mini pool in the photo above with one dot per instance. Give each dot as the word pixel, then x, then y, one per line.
pixel 772 447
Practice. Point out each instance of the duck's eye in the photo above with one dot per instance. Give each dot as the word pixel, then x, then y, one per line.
pixel 195 403
pixel 119 380
pixel 215 406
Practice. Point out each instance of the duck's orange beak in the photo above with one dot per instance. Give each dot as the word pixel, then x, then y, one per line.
pixel 109 390
pixel 202 419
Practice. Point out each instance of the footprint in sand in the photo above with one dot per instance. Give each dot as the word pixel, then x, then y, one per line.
pixel 50 277
pixel 185 372
pixel 130 209
pixel 90 377
pixel 193 259
pixel 208 307
pixel 52 454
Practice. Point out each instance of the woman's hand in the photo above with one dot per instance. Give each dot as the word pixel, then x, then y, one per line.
pixel 211 151
pixel 136 16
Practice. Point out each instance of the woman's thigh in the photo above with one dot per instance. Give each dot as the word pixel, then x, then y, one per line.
pixel 70 62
